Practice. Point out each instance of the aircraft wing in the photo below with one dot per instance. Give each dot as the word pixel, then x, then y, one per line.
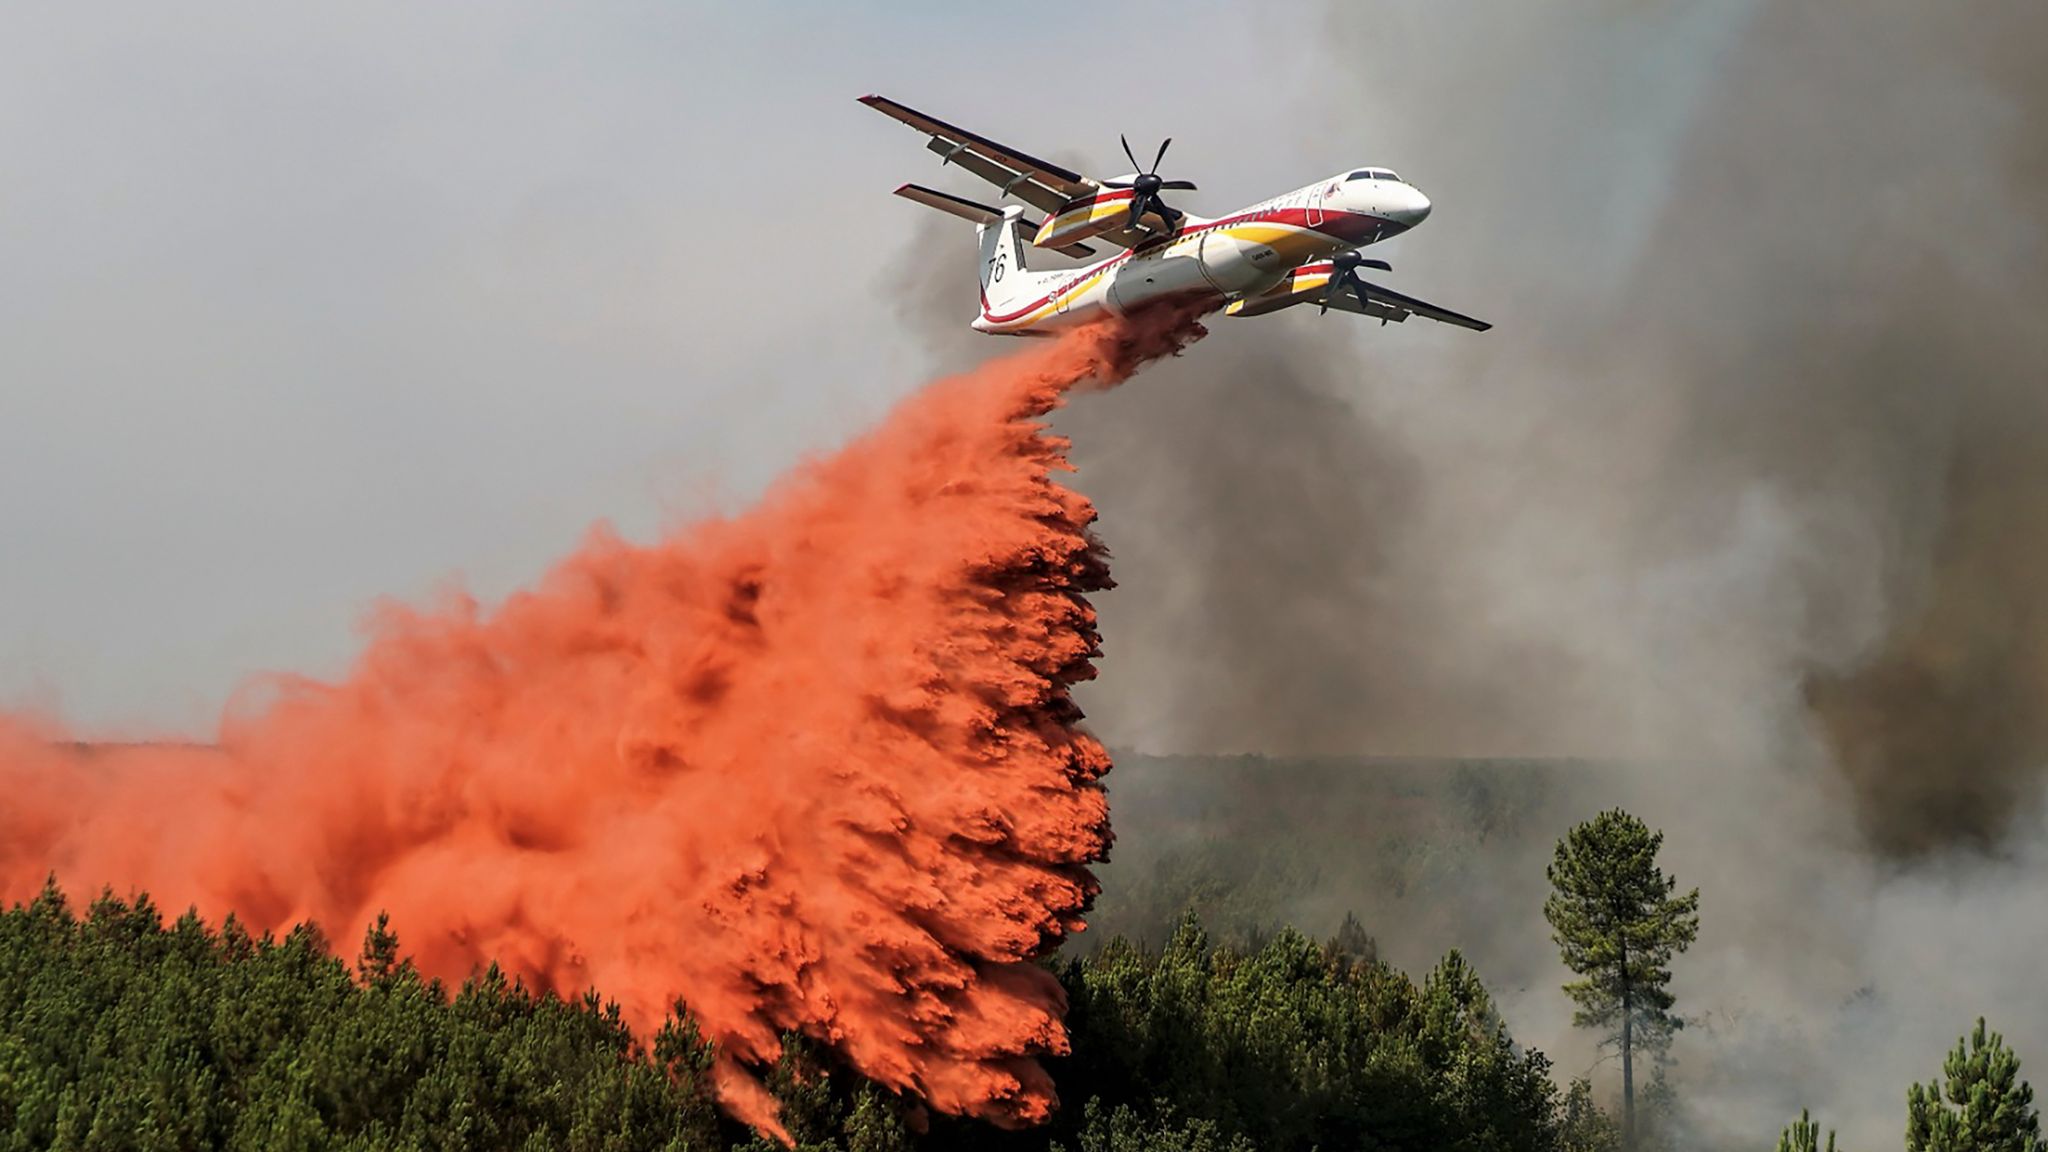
pixel 1305 285
pixel 1381 300
pixel 1043 185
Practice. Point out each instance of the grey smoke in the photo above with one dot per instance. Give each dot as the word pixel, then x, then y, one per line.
pixel 1238 476
pixel 1747 489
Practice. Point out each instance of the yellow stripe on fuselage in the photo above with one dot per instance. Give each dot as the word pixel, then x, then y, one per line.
pixel 1291 242
pixel 1294 244
pixel 1052 300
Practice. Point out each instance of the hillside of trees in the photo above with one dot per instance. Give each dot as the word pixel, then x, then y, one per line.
pixel 120 1030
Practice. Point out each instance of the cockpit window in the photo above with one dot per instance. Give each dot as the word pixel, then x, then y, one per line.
pixel 1372 174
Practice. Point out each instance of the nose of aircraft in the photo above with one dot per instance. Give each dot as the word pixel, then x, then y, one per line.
pixel 1410 206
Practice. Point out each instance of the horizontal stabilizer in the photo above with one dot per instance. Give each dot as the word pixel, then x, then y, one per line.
pixel 979 213
pixel 1039 183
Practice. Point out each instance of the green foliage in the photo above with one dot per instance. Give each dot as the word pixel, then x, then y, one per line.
pixel 1613 913
pixel 876 1123
pixel 1583 1127
pixel 1988 1109
pixel 116 1032
pixel 1296 1045
pixel 1127 1129
pixel 1803 1136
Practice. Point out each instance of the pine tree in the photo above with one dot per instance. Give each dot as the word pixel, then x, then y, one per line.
pixel 1584 1127
pixel 1804 1136
pixel 380 962
pixel 1353 942
pixel 1613 913
pixel 875 1124
pixel 1989 1109
pixel 1657 1115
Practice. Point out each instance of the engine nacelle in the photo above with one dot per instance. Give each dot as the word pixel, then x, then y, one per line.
pixel 1086 216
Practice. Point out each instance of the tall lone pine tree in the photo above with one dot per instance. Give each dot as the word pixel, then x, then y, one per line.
pixel 1990 1109
pixel 1612 912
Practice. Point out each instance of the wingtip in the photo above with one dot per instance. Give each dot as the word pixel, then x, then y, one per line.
pixel 870 99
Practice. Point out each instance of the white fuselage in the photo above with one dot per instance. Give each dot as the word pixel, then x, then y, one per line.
pixel 1227 258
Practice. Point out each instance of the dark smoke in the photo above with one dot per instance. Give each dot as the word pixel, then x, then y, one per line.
pixel 1205 515
pixel 1942 735
pixel 1746 490
pixel 1798 441
pixel 1768 392
pixel 1842 299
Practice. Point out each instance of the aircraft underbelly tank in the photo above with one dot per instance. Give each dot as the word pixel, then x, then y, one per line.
pixel 1212 263
pixel 1236 266
pixel 1149 278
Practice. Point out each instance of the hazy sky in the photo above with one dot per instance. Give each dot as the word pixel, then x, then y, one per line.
pixel 303 305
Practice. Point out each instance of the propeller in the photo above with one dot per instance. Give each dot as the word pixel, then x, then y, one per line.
pixel 1146 186
pixel 1344 276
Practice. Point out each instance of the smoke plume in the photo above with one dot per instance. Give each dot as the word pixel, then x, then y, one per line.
pixel 1743 497
pixel 812 768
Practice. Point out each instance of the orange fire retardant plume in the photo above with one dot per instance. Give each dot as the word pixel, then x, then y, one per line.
pixel 811 768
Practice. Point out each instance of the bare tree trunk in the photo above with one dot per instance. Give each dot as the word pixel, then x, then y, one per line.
pixel 1628 1068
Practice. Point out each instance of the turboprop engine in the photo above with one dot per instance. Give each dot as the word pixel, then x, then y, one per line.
pixel 1127 202
pixel 1085 217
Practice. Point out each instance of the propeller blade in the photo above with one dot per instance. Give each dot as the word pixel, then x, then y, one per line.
pixel 1358 290
pixel 1161 155
pixel 1127 151
pixel 1352 259
pixel 1179 185
pixel 1344 278
pixel 1117 184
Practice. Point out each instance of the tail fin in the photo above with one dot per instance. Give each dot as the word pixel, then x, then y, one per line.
pixel 1007 286
pixel 1004 279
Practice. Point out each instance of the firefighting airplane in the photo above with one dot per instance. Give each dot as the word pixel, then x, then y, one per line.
pixel 1295 248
